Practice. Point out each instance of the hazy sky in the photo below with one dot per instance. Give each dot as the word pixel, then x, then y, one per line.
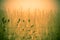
pixel 25 4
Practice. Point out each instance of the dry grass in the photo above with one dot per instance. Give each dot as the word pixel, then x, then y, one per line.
pixel 31 25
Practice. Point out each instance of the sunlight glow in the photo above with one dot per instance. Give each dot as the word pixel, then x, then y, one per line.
pixel 36 4
pixel 32 4
pixel 39 12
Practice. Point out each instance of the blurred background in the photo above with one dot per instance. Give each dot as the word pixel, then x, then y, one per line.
pixel 10 16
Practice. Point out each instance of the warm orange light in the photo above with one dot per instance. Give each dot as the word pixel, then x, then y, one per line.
pixel 43 5
pixel 32 4
pixel 37 11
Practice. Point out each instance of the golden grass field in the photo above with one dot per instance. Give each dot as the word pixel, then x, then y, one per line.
pixel 32 25
pixel 32 20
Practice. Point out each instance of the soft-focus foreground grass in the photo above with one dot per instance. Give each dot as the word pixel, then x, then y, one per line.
pixel 25 25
